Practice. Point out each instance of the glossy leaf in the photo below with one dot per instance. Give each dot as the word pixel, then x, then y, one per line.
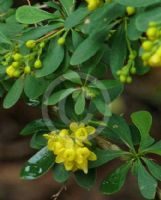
pixel 38 165
pixel 115 181
pixel 38 141
pixel 35 126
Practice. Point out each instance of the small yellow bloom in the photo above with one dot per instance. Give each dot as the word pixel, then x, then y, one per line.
pixel 63 132
pixel 69 154
pixel 69 146
pixel 81 134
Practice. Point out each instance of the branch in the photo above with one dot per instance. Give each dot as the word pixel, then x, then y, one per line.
pixel 56 196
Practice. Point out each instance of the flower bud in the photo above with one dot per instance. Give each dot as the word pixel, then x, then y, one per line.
pixel 17 56
pixel 61 41
pixel 38 64
pixel 30 44
pixel 130 10
pixel 27 70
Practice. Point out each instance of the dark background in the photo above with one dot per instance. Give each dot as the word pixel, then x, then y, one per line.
pixel 143 94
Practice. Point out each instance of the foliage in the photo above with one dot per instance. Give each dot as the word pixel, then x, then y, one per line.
pixel 74 58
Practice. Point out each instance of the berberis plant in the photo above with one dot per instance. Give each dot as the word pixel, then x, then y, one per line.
pixel 72 59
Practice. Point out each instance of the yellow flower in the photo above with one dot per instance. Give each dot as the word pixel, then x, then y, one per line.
pixel 69 146
pixel 75 127
pixel 81 132
pixel 63 132
pixel 69 154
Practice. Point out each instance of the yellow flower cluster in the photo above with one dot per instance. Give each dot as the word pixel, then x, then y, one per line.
pixel 69 146
pixel 151 54
pixel 17 64
pixel 93 4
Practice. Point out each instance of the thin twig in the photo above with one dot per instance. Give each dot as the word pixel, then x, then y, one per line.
pixel 29 3
pixel 56 196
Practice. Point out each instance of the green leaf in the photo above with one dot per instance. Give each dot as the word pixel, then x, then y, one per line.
pixel 102 106
pixel 11 28
pixel 76 18
pixel 154 168
pixel 4 39
pixel 103 16
pixel 132 32
pixel 114 88
pixel 86 180
pixel 118 57
pixel 147 184
pixel 120 128
pixel 115 181
pixel 80 104
pixel 5 5
pixel 14 93
pixel 68 5
pixel 72 76
pixel 143 121
pixel 58 96
pixel 143 19
pixel 32 15
pixel 35 126
pixel 76 38
pixel 104 156
pixel 155 148
pixel 86 50
pixel 52 60
pixel 34 87
pixel 138 3
pixel 38 165
pixel 105 84
pixel 37 32
pixel 38 141
pixel 60 174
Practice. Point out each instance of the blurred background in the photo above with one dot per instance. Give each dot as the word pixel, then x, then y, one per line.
pixel 143 94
